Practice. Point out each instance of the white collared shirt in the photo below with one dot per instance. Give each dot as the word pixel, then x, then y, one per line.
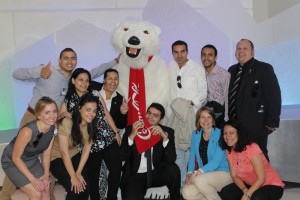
pixel 107 102
pixel 193 81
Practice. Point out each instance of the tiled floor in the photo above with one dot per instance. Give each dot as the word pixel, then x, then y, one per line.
pixel 292 192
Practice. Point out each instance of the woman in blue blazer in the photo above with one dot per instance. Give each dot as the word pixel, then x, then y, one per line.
pixel 208 170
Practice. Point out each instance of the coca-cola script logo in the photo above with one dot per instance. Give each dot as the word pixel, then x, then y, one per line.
pixel 142 133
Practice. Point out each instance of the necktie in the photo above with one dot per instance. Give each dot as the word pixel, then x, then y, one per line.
pixel 149 167
pixel 233 93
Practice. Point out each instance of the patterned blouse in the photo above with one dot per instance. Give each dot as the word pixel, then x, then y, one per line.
pixel 105 135
pixel 203 150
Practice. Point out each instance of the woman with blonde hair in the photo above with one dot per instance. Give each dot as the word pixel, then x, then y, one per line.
pixel 208 170
pixel 20 159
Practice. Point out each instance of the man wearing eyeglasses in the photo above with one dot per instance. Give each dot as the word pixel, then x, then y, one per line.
pixel 135 178
pixel 188 87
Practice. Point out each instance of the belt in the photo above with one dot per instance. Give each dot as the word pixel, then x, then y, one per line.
pixel 30 110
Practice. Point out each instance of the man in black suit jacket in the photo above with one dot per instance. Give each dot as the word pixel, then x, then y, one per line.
pixel 164 169
pixel 258 100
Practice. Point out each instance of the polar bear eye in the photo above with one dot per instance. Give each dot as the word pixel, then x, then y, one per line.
pixel 146 32
pixel 126 29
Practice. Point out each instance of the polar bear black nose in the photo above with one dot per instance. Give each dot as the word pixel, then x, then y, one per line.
pixel 134 40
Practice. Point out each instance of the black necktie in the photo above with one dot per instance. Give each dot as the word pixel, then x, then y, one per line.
pixel 149 167
pixel 233 93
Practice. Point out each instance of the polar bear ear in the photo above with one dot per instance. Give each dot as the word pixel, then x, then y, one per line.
pixel 117 25
pixel 157 30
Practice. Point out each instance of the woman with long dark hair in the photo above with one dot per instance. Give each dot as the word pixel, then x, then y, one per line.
pixel 253 176
pixel 106 146
pixel 72 148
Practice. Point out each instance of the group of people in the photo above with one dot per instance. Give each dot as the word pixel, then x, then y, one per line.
pixel 213 145
pixel 235 111
pixel 87 122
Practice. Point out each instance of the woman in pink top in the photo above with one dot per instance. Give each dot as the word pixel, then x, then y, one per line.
pixel 253 176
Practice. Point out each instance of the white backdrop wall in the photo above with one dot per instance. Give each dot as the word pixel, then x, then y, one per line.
pixel 35 31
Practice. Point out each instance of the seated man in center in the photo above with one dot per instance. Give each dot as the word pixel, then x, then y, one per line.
pixel 134 183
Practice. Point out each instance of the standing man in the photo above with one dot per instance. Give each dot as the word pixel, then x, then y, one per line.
pixel 217 84
pixel 138 173
pixel 51 81
pixel 188 84
pixel 254 95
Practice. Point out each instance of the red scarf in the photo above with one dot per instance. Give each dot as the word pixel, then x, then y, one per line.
pixel 144 140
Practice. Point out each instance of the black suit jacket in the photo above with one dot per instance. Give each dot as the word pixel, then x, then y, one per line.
pixel 258 102
pixel 160 155
pixel 119 118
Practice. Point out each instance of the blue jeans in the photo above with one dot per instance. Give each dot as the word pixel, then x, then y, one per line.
pixel 182 161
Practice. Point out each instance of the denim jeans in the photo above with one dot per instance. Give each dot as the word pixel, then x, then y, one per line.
pixel 181 161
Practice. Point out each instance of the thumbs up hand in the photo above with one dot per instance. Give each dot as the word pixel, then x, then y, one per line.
pixel 124 107
pixel 45 71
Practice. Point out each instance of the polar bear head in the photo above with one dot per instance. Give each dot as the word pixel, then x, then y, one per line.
pixel 136 41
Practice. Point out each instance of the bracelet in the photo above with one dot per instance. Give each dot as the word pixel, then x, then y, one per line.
pixel 244 188
pixel 247 195
pixel 195 172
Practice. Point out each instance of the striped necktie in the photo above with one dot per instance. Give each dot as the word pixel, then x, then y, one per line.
pixel 233 93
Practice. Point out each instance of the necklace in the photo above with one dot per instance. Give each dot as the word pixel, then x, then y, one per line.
pixel 237 158
pixel 206 135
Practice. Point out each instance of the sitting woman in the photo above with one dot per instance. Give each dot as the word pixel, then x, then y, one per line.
pixel 20 159
pixel 253 176
pixel 72 147
pixel 208 170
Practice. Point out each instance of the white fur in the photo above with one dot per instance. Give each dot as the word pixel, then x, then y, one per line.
pixel 156 74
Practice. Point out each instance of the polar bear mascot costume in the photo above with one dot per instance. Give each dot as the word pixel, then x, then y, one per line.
pixel 143 78
pixel 138 42
pixel 143 75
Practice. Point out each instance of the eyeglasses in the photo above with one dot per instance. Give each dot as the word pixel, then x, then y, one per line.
pixel 179 82
pixel 37 140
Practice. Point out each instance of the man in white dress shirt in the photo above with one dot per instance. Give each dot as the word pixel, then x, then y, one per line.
pixel 187 81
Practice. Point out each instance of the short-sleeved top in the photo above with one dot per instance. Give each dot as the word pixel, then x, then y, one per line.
pixel 65 129
pixel 241 164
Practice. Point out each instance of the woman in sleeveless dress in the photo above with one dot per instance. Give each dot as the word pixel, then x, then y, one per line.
pixel 20 159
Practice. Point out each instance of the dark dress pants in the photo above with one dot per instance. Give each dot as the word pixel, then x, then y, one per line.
pixel 267 192
pixel 111 157
pixel 60 172
pixel 167 174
